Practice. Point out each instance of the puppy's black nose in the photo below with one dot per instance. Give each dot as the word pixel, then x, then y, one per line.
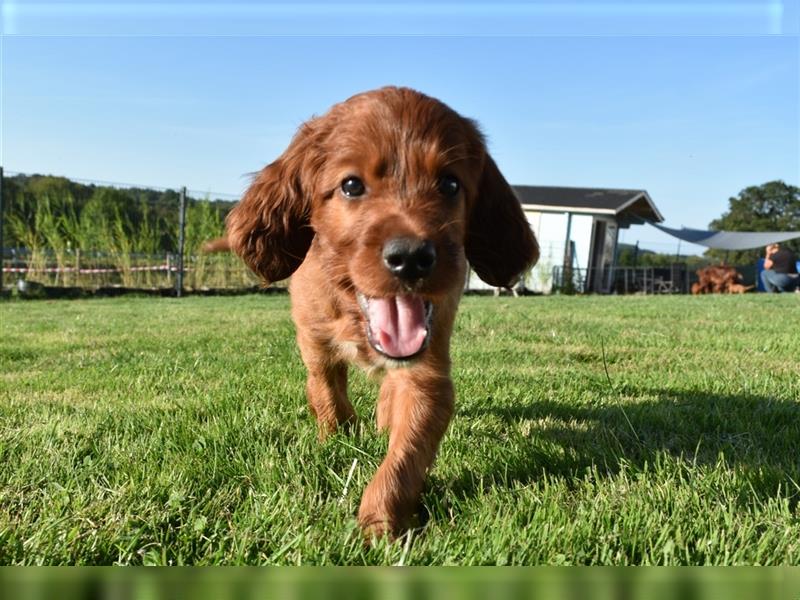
pixel 408 258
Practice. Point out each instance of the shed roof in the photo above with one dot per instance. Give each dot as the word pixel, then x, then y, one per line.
pixel 628 206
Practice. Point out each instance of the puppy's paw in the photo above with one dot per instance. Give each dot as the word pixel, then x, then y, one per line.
pixel 377 522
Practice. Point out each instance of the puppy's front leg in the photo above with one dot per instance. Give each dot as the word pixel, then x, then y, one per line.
pixel 326 388
pixel 417 407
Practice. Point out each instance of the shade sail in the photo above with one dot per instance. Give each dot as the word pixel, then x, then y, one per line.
pixel 729 240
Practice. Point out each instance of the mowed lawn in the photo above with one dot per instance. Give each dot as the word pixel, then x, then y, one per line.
pixel 588 430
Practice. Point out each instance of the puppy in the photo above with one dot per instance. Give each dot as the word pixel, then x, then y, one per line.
pixel 374 210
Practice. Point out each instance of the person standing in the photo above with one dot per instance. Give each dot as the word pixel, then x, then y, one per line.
pixel 780 270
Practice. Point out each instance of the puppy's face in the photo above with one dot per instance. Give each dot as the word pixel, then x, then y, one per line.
pixel 394 196
pixel 391 208
pixel 398 191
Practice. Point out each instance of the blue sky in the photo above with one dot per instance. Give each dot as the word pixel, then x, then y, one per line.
pixel 690 101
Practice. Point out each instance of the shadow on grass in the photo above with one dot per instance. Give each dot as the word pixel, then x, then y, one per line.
pixel 755 434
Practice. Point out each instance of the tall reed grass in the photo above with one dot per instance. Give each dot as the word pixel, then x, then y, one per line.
pixel 63 242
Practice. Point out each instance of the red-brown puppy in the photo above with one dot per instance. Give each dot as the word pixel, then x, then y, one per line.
pixel 374 210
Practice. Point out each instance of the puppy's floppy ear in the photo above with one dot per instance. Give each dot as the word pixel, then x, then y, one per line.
pixel 500 244
pixel 270 228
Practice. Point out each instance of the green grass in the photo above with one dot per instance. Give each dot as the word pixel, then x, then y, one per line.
pixel 163 431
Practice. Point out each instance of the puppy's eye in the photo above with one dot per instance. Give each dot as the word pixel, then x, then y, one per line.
pixel 449 186
pixel 353 187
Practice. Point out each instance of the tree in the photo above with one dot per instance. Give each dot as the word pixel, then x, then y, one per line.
pixel 772 206
pixel 629 256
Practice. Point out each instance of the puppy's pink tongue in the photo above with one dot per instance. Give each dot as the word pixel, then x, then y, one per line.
pixel 398 324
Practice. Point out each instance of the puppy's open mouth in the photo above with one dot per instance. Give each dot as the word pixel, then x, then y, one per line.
pixel 397 326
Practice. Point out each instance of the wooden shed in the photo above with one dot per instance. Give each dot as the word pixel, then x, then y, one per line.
pixel 578 228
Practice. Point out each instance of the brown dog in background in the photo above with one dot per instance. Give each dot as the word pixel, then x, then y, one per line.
pixel 719 279
pixel 374 210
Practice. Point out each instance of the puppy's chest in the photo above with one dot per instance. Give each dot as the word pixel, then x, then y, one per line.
pixel 348 341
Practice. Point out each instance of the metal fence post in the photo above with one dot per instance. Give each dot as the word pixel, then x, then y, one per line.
pixel 2 252
pixel 181 240
pixel 169 267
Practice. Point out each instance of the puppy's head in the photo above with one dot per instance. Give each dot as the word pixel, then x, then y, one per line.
pixel 398 190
